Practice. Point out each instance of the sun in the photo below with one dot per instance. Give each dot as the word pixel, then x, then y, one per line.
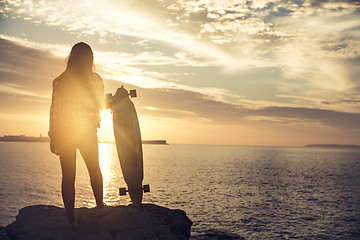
pixel 106 117
pixel 106 132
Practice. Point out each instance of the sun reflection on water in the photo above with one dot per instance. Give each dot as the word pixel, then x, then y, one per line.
pixel 110 169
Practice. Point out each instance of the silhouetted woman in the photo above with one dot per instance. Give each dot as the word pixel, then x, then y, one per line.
pixel 78 96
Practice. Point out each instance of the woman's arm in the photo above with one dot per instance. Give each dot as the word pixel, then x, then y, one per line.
pixel 53 118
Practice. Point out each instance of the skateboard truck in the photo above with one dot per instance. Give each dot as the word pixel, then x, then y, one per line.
pixel 109 101
pixel 145 188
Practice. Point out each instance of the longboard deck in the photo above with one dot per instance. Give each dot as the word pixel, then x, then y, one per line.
pixel 128 143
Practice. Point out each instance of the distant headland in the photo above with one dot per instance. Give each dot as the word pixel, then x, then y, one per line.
pixel 163 142
pixel 24 138
pixel 332 146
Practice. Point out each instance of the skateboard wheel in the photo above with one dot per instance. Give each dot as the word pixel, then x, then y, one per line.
pixel 133 93
pixel 122 191
pixel 146 188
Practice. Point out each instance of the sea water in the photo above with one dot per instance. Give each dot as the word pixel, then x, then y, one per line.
pixel 229 192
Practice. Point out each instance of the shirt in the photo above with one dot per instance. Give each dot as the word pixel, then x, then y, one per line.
pixel 76 102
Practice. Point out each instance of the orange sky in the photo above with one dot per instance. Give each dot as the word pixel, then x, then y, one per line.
pixel 206 72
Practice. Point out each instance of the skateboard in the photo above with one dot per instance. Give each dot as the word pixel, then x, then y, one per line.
pixel 128 143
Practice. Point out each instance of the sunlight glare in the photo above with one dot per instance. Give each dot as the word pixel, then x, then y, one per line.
pixel 110 169
pixel 105 132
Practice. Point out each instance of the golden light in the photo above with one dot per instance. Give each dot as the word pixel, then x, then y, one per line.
pixel 106 132
pixel 110 169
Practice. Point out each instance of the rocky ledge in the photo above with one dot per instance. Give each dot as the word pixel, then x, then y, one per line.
pixel 122 222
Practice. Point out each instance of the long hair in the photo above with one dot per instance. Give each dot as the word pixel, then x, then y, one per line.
pixel 80 60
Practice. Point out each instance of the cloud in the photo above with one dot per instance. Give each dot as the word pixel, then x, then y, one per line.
pixel 232 35
pixel 182 104
pixel 21 75
pixel 332 4
pixel 131 18
pixel 200 105
pixel 26 74
pixel 26 71
pixel 335 119
pixel 313 45
pixel 350 101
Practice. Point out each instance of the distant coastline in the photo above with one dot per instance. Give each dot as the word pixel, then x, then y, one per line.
pixel 24 138
pixel 332 146
pixel 161 142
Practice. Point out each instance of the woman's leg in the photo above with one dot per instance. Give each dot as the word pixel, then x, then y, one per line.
pixel 90 153
pixel 68 167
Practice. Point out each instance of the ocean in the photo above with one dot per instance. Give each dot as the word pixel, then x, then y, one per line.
pixel 229 192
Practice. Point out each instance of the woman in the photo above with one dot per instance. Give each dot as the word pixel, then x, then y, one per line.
pixel 78 96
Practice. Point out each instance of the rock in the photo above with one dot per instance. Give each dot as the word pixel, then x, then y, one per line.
pixel 3 235
pixel 122 222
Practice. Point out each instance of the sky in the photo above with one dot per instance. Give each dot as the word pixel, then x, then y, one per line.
pixel 272 73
